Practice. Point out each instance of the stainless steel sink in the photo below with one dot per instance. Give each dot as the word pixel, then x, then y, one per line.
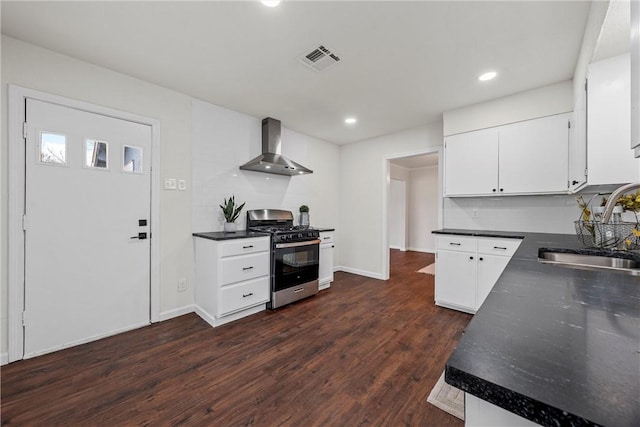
pixel 590 262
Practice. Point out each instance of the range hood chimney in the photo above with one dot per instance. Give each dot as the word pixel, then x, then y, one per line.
pixel 269 161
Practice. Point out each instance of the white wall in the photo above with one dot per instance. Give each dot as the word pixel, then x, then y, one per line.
pixel 423 208
pixel 597 14
pixel 552 214
pixel 29 66
pixel 545 101
pixel 224 139
pixel 398 214
pixel 361 197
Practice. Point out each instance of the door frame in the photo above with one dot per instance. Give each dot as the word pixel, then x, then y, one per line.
pixel 16 202
pixel 386 184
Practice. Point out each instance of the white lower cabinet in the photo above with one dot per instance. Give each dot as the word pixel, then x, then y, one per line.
pixel 459 287
pixel 232 278
pixel 480 413
pixel 325 273
pixel 467 268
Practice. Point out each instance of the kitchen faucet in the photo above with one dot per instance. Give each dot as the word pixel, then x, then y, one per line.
pixel 613 199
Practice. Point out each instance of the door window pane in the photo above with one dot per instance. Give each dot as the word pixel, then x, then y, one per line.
pixel 53 148
pixel 132 159
pixel 96 154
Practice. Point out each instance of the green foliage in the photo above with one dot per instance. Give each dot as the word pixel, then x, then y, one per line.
pixel 229 209
pixel 304 208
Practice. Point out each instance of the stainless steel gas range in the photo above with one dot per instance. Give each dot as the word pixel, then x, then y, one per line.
pixel 295 255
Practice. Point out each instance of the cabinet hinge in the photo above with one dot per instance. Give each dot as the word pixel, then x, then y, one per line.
pixel 586 172
pixel 586 85
pixel 24 130
pixel 569 124
pixel 24 222
pixel 24 318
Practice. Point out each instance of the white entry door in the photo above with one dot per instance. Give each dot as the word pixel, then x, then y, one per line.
pixel 87 257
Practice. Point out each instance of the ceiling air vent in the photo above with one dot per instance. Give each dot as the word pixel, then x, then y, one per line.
pixel 319 58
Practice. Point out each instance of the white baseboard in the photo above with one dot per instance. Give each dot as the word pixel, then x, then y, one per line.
pixel 360 272
pixel 426 250
pixel 170 314
pixel 4 359
pixel 400 248
pixel 205 316
pixel 213 321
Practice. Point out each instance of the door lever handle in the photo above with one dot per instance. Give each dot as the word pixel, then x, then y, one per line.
pixel 141 236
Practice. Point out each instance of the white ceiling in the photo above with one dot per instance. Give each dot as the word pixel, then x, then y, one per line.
pixel 402 63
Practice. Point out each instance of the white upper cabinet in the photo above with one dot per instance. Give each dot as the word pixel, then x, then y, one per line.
pixel 529 157
pixel 534 156
pixel 471 163
pixel 635 76
pixel 609 160
pixel 608 124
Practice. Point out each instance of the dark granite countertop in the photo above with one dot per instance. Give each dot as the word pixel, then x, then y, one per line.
pixel 321 229
pixel 221 235
pixel 555 345
pixel 481 233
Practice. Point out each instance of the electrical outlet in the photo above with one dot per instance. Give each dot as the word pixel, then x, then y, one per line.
pixel 182 285
pixel 170 184
pixel 182 185
pixel 474 213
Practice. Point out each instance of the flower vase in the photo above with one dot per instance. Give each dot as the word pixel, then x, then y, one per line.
pixel 304 219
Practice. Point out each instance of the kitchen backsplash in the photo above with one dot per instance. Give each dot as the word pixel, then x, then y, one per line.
pixel 549 214
pixel 224 139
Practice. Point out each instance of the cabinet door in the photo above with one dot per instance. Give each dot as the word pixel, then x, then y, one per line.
pixel 608 125
pixel 635 76
pixel 471 163
pixel 534 156
pixel 456 279
pixel 490 267
pixel 325 272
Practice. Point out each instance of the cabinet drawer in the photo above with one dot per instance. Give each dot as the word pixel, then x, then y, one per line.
pixel 245 267
pixel 457 243
pixel 244 246
pixel 243 295
pixel 326 237
pixel 505 247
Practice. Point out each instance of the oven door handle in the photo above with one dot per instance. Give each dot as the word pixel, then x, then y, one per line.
pixel 297 244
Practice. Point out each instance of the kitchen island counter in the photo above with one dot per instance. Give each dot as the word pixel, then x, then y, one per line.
pixel 555 345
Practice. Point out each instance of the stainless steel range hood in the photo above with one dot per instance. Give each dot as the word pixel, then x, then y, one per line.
pixel 269 161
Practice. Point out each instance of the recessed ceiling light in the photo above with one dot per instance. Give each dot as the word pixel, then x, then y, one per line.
pixel 487 76
pixel 350 120
pixel 270 3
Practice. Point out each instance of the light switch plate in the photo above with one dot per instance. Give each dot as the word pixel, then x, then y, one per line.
pixel 170 184
pixel 182 185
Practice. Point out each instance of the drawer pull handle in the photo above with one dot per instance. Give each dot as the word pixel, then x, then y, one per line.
pixel 298 290
pixel 481 259
pixel 470 257
pixel 247 295
pixel 500 247
pixel 246 268
pixel 247 247
pixel 454 244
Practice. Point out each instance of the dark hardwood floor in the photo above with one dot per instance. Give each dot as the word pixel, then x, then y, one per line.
pixel 365 352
